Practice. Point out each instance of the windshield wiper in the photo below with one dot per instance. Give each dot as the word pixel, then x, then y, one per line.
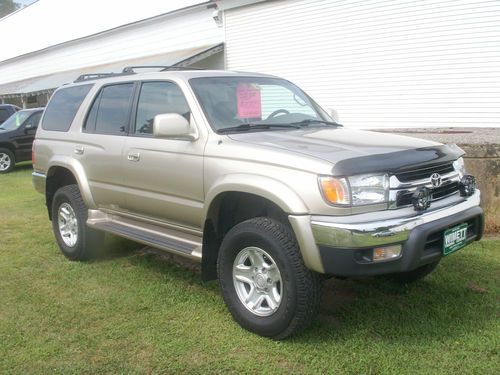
pixel 251 126
pixel 314 121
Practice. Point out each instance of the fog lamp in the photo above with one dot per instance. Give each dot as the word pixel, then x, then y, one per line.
pixel 421 199
pixel 384 253
pixel 467 185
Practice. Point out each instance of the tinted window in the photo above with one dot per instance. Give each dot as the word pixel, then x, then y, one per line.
pixel 157 98
pixel 63 106
pixel 110 110
pixel 16 120
pixel 4 115
pixel 34 120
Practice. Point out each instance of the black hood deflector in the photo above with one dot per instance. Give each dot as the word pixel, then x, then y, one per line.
pixel 398 161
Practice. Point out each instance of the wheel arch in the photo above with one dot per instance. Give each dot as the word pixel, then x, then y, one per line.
pixel 66 171
pixel 238 198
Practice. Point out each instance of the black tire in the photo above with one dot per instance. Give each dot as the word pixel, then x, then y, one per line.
pixel 7 160
pixel 301 288
pixel 412 276
pixel 88 241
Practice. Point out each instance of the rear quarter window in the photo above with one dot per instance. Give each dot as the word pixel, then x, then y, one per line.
pixel 63 106
pixel 4 114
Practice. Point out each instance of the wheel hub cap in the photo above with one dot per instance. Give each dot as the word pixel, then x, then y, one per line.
pixel 68 224
pixel 4 162
pixel 257 281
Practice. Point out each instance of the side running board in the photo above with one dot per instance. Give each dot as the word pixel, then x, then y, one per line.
pixel 186 245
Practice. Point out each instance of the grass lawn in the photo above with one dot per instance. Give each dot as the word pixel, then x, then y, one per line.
pixel 136 312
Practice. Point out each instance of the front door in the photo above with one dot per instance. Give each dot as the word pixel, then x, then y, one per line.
pixel 25 136
pixel 163 177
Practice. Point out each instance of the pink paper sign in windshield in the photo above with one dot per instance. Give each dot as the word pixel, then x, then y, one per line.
pixel 249 101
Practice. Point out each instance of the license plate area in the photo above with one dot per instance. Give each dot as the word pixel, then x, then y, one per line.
pixel 454 238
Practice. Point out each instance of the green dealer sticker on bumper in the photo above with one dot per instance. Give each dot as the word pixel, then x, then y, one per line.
pixel 454 238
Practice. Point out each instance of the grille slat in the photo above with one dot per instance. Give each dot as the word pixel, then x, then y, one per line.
pixel 422 173
pixel 418 176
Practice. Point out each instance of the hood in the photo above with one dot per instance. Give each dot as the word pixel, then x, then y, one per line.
pixel 356 151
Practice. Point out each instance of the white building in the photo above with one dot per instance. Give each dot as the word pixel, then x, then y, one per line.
pixel 379 63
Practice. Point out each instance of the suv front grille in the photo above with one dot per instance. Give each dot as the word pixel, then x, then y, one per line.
pixel 423 173
pixel 404 184
pixel 404 196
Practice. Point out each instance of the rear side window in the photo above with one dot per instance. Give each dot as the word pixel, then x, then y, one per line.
pixel 63 106
pixel 110 111
pixel 4 115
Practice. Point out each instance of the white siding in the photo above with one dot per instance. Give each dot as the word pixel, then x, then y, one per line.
pixel 49 22
pixel 379 63
pixel 180 31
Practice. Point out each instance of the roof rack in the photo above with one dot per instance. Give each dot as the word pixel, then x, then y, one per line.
pixel 162 68
pixel 131 70
pixel 87 77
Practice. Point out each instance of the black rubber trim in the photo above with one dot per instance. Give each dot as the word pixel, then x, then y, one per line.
pixel 349 263
pixel 399 161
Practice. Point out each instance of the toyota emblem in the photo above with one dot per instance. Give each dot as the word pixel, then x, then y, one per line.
pixel 436 180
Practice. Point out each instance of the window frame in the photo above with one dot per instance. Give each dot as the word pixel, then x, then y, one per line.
pixel 50 104
pixel 133 117
pixel 97 96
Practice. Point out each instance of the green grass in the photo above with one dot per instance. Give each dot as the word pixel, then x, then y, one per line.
pixel 136 312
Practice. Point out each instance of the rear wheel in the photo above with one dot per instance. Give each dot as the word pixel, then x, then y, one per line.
pixel 7 160
pixel 412 276
pixel 264 281
pixel 69 217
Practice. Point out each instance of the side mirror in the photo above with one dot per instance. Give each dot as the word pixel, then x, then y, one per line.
pixel 333 114
pixel 172 125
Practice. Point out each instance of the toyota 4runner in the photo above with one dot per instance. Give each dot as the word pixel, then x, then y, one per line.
pixel 246 174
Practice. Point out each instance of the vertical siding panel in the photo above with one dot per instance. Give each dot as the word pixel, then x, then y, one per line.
pixel 379 63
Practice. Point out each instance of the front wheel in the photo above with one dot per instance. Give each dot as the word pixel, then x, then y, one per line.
pixel 264 282
pixel 69 222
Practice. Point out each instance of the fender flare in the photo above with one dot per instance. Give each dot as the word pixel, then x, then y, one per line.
pixel 273 190
pixel 77 170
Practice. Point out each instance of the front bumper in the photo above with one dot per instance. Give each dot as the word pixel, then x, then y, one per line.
pixel 338 245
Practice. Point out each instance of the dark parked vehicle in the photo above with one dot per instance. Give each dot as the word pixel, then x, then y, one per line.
pixel 16 137
pixel 7 110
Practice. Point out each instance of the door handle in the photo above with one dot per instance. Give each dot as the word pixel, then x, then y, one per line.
pixel 134 156
pixel 79 150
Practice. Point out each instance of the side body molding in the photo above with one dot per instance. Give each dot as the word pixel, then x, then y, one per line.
pixel 76 168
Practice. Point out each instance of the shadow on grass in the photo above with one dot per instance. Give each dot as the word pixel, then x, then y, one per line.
pixel 117 247
pixel 441 306
pixel 23 166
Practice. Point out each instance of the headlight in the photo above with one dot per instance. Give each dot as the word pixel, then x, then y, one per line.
pixel 459 166
pixel 355 190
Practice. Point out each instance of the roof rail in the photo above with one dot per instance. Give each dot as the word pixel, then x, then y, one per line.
pixel 162 68
pixel 131 70
pixel 91 76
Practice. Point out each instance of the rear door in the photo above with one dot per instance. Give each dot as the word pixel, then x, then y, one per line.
pixel 100 147
pixel 164 177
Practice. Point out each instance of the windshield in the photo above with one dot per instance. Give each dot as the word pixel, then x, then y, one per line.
pixel 15 121
pixel 232 101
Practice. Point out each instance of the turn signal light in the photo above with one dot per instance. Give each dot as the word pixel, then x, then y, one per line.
pixel 33 153
pixel 335 190
pixel 386 253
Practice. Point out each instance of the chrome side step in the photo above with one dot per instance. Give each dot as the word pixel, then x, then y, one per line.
pixel 176 242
